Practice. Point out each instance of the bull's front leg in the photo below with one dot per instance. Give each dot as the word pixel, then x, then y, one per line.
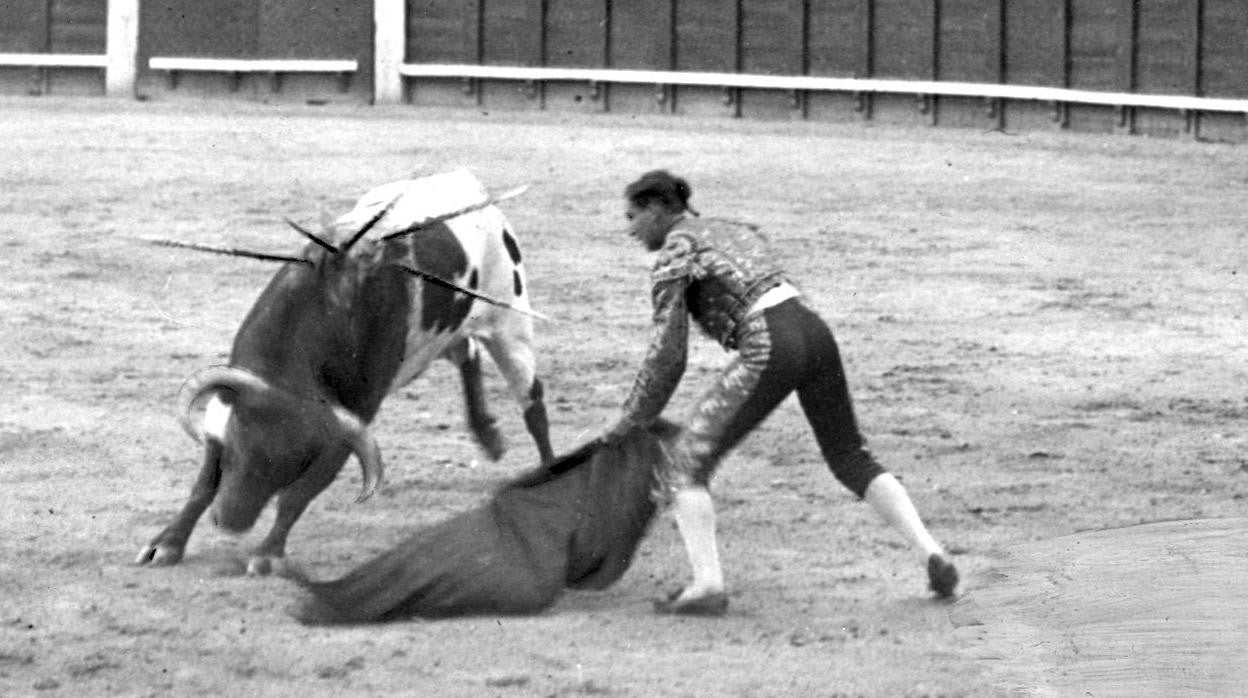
pixel 270 554
pixel 168 547
pixel 483 425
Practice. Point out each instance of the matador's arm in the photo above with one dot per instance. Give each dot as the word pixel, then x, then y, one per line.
pixel 666 357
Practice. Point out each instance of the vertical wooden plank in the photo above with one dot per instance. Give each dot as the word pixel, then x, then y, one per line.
pixel 838 45
pixel 969 41
pixel 1164 49
pixel 23 26
pixel 1035 43
pixel 1100 45
pixel 641 37
pixel 641 34
pixel 512 34
pixel 576 36
pixel 442 31
pixel 120 78
pixel 969 50
pixel 1223 65
pixel 576 33
pixel 78 26
pixel 903 47
pixel 706 40
pixel 839 34
pixel 771 37
pixel 1101 51
pixel 1225 49
pixel 1036 38
pixel 772 42
pixel 904 41
pixel 706 35
pixel 1166 36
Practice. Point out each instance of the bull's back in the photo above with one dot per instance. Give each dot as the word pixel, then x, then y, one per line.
pixel 477 251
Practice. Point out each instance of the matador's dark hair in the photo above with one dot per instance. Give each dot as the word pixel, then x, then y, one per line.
pixel 662 186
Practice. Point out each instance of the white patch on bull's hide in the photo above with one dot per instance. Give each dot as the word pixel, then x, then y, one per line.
pixel 216 417
pixel 480 235
pixel 414 200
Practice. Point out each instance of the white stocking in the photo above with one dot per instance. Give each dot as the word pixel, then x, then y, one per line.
pixel 695 517
pixel 889 499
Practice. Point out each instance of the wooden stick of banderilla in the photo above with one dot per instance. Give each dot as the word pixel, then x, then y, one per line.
pixel 235 252
pixel 439 281
pixel 432 278
pixel 230 251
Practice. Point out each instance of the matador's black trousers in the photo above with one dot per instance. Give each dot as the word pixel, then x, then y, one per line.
pixel 783 349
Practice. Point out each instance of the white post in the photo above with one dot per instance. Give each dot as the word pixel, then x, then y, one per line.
pixel 389 50
pixel 121 73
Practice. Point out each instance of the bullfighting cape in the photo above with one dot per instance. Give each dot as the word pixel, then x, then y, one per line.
pixel 574 523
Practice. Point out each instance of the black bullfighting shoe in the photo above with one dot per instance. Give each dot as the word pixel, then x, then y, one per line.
pixel 942 576
pixel 715 604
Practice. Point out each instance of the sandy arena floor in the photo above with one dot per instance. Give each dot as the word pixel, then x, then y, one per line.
pixel 1044 333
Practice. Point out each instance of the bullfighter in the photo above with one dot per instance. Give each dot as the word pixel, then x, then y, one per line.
pixel 721 274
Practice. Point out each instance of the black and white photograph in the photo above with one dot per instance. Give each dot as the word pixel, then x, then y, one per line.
pixel 624 348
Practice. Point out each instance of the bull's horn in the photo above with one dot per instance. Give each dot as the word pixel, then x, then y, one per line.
pixel 208 380
pixel 365 448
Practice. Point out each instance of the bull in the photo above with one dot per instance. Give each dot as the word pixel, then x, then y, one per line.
pixel 335 331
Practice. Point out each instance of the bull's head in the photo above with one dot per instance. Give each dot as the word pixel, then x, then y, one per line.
pixel 276 440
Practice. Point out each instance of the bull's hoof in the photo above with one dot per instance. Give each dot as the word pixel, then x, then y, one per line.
pixel 265 565
pixel 159 555
pixel 492 442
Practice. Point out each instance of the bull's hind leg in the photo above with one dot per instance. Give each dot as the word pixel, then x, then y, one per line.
pixel 483 425
pixel 168 547
pixel 513 353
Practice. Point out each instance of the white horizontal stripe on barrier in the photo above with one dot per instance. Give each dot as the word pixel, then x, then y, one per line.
pixel 54 60
pixel 831 84
pixel 253 65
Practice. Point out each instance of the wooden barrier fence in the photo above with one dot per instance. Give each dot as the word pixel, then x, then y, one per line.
pixel 1157 67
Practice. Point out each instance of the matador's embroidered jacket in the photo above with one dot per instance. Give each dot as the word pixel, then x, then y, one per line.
pixel 713 270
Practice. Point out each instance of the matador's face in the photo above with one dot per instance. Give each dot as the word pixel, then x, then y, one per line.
pixel 649 224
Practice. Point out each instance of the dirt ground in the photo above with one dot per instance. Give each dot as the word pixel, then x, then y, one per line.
pixel 1044 334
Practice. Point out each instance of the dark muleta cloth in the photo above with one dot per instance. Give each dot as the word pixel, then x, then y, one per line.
pixel 573 524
